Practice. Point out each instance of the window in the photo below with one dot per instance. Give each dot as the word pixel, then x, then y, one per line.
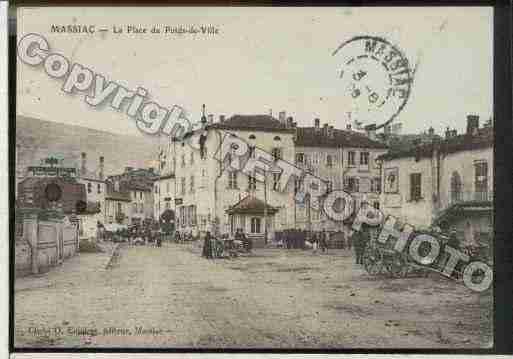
pixel 89 187
pixel 167 187
pixel 364 158
pixel 183 186
pixel 276 181
pixel 251 151
pixel 277 138
pixel 351 158
pixel 140 195
pixel 119 208
pixel 183 161
pixel 192 215
pixel 481 180
pixel 192 158
pixel 376 185
pixel 352 184
pixel 300 157
pixel 232 180
pixel 116 186
pixel 329 186
pixel 329 161
pixel 376 205
pixel 297 185
pixel 455 187
pixel 276 152
pixel 182 216
pixel 255 225
pixel 99 188
pixel 415 186
pixel 251 183
pixel 192 184
pixel 141 208
pixel 156 189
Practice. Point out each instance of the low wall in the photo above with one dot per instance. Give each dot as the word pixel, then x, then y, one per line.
pixel 44 244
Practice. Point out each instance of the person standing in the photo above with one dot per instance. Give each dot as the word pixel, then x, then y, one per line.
pixel 362 238
pixel 315 242
pixel 324 239
pixel 207 246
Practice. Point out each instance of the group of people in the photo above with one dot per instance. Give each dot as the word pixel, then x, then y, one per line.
pixel 214 247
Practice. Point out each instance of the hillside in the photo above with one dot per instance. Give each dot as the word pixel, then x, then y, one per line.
pixel 37 139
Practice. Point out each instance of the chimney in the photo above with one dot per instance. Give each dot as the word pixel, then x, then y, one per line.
pixel 83 166
pixel 317 123
pixel 290 120
pixel 431 131
pixel 447 132
pixel 325 129
pixel 282 117
pixel 102 167
pixel 472 124
pixel 221 118
pixel 331 132
pixel 203 117
pixel 210 119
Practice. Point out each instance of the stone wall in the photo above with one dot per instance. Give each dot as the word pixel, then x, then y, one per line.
pixel 43 244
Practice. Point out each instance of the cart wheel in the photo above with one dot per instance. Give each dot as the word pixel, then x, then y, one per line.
pixel 396 266
pixel 372 261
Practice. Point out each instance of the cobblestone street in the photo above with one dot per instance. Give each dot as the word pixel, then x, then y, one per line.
pixel 171 297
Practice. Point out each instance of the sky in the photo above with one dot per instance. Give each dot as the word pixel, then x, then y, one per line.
pixel 262 60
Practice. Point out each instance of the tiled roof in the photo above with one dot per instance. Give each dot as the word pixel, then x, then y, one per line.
pixel 483 139
pixel 309 137
pixel 251 204
pixel 253 122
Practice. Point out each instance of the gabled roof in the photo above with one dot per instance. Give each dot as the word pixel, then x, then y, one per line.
pixel 312 137
pixel 253 122
pixel 251 204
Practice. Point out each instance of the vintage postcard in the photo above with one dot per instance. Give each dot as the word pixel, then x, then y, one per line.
pixel 250 178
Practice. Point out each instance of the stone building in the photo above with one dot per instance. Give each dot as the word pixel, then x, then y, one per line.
pixel 346 159
pixel 204 191
pixel 117 204
pixel 95 189
pixel 447 183
pixel 136 185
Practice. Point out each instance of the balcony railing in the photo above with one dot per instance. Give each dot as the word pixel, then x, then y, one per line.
pixel 461 197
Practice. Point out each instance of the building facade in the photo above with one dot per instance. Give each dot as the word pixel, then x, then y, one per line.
pixel 346 159
pixel 204 192
pixel 447 183
pixel 136 186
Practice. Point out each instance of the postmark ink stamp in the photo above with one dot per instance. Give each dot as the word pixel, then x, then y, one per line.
pixel 376 77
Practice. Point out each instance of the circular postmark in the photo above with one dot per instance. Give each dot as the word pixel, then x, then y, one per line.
pixel 376 77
